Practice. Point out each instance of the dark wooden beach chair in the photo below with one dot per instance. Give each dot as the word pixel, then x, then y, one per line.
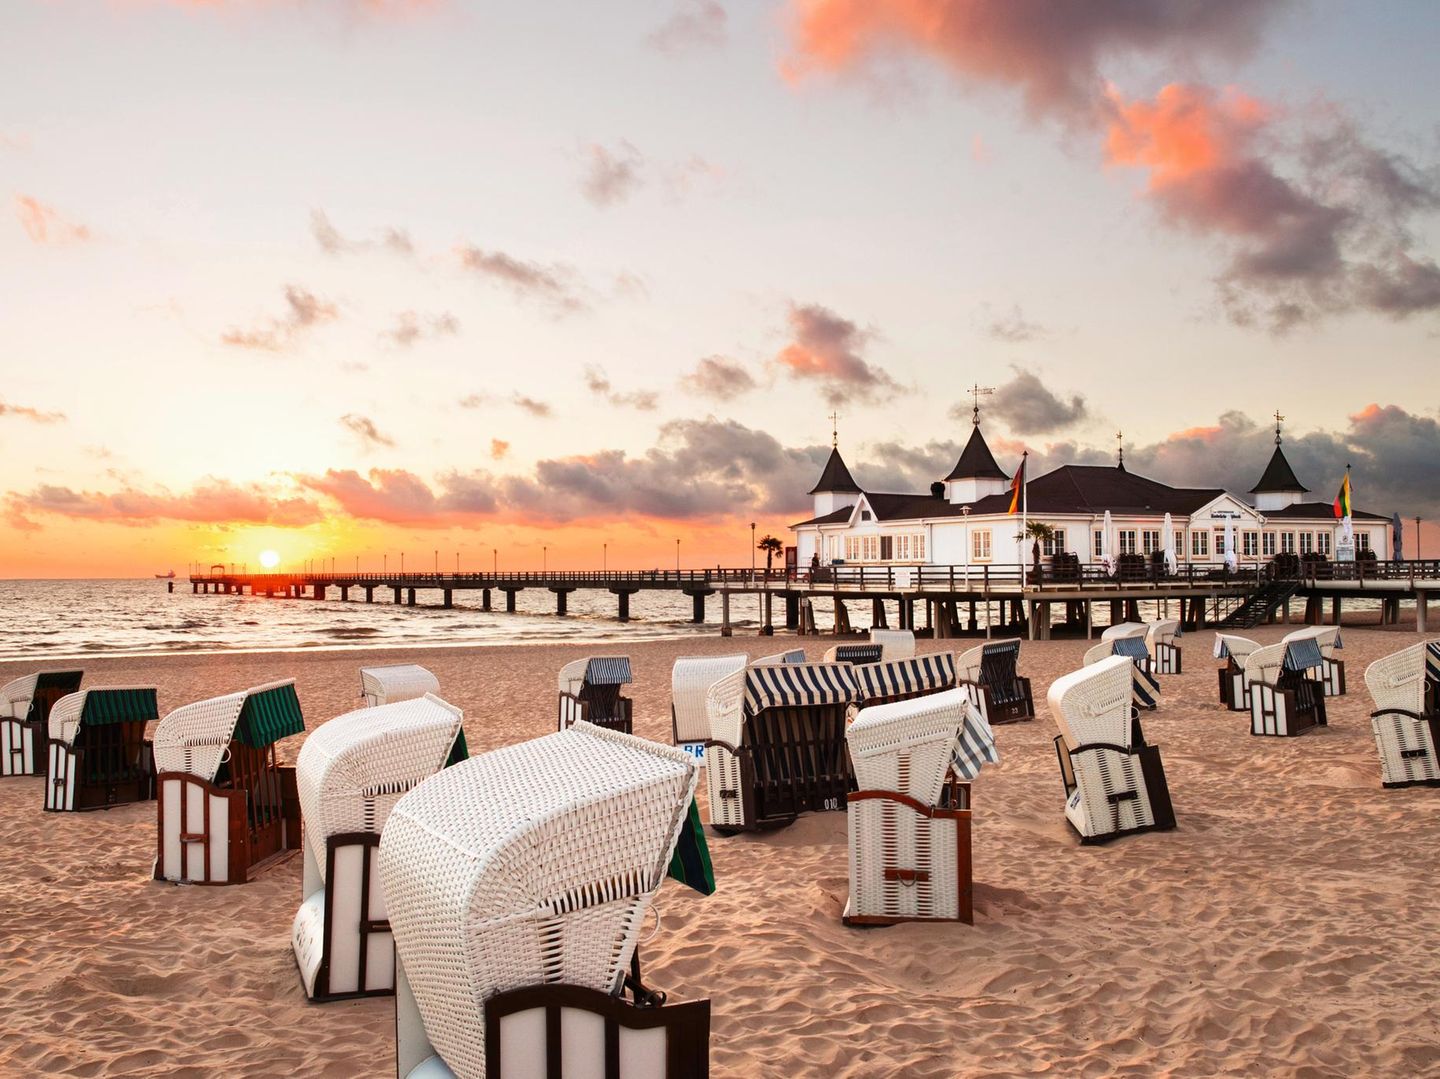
pixel 1287 695
pixel 98 754
pixel 1234 691
pixel 988 674
pixel 25 707
pixel 590 690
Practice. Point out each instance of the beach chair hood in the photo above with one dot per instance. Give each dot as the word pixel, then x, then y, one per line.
pixel 935 734
pixel 1092 705
pixel 98 707
pixel 690 681
pixel 398 682
pixel 195 737
pixel 906 677
pixel 1397 681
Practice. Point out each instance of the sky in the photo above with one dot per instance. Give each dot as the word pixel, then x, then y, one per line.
pixel 557 283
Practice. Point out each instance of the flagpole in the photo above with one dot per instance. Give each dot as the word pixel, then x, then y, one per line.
pixel 1024 513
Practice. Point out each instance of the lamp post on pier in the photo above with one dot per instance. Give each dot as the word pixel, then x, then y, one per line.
pixel 752 552
pixel 545 559
pixel 677 557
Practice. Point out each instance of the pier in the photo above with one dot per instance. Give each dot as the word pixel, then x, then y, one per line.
pixel 941 601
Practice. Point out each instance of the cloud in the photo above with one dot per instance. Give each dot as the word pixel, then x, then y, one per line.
pixel 44 225
pixel 395 240
pixel 499 449
pixel 599 384
pixel 303 311
pixel 393 9
pixel 365 430
pixel 611 176
pixel 719 378
pixel 17 142
pixel 1028 407
pixel 540 409
pixel 34 415
pixel 696 24
pixel 826 349
pixel 211 501
pixel 410 327
pixel 555 285
pixel 475 400
pixel 1014 328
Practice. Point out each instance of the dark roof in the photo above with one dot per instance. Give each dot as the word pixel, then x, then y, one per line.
pixel 1315 511
pixel 1279 476
pixel 976 461
pixel 836 477
pixel 832 518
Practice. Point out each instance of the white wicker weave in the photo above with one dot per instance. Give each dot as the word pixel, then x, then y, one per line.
pixel 17 741
pixel 794 655
pixel 1327 637
pixel 1264 664
pixel 1162 631
pixel 1406 742
pixel 194 737
pixel 15 695
pixel 907 746
pixel 400 682
pixel 898 643
pixel 1093 704
pixel 1233 647
pixel 572 675
pixel 1125 629
pixel 533 864
pixel 690 680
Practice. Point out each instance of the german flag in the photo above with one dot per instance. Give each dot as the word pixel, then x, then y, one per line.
pixel 1017 486
pixel 1342 500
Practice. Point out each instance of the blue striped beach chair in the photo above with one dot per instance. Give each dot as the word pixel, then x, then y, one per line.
pixel 1145 687
pixel 988 674
pixel 1331 670
pixel 1234 693
pixel 590 690
pixel 1287 696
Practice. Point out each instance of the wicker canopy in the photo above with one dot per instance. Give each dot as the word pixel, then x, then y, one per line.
pixel 99 707
pixel 1093 704
pixel 22 697
pixel 1229 646
pixel 195 737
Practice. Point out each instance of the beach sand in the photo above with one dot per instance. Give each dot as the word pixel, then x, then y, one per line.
pixel 1288 926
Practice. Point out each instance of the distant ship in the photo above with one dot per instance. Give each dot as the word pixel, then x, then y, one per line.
pixel 165 576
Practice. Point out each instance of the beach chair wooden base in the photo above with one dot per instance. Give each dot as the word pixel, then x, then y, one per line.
pixel 113 766
pixel 22 747
pixel 341 934
pixel 215 835
pixel 1127 792
pixel 1167 659
pixel 1015 705
pixel 616 716
pixel 1233 693
pixel 1408 746
pixel 1332 674
pixel 909 862
pixel 1293 706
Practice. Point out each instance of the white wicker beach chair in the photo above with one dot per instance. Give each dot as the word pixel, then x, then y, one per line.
pixel 866 652
pixel 1332 670
pixel 898 643
pixel 909 821
pixel 400 682
pixel 98 754
pixel 1234 691
pixel 777 744
pixel 794 655
pixel 25 705
pixel 350 773
pixel 988 674
pixel 1286 694
pixel 517 885
pixel 1128 639
pixel 226 806
pixel 1163 636
pixel 590 691
pixel 1114 782
pixel 903 679
pixel 1407 729
pixel 690 680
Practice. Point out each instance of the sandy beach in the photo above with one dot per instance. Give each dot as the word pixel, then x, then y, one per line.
pixel 1285 927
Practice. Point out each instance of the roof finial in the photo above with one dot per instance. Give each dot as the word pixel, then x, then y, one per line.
pixel 1279 419
pixel 834 430
pixel 978 391
pixel 1120 440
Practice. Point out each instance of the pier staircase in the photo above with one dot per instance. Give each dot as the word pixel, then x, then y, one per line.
pixel 1259 605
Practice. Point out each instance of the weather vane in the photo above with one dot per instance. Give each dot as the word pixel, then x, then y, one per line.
pixel 978 391
pixel 1279 419
pixel 834 430
pixel 1120 441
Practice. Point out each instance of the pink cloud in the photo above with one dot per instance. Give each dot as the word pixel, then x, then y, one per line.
pixel 44 225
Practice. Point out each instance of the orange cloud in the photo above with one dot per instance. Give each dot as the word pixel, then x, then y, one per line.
pixel 210 502
pixel 1186 130
pixel 44 225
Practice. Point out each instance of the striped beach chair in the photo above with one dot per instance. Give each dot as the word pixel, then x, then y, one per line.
pixel 909 819
pixel 690 681
pixel 1128 640
pixel 856 653
pixel 590 691
pixel 350 773
pixel 226 805
pixel 1114 782
pixel 1331 670
pixel 1287 696
pixel 1405 721
pixel 1234 691
pixel 777 744
pixel 25 705
pixel 98 754
pixel 518 885
pixel 903 679
pixel 898 643
pixel 399 682
pixel 988 674
pixel 1162 636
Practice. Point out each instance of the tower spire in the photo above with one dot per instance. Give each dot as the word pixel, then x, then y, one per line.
pixel 834 430
pixel 978 391
pixel 1279 419
pixel 1120 441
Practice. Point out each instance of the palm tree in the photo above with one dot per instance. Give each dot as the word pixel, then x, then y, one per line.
pixel 771 546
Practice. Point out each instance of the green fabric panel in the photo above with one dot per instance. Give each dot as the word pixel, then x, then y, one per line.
pixel 690 864
pixel 458 752
pixel 269 716
pixel 105 706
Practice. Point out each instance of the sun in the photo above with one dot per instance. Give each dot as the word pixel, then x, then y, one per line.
pixel 269 559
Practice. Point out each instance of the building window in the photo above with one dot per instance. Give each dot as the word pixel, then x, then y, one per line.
pixel 1151 541
pixel 1322 543
pixel 919 546
pixel 1200 544
pixel 1267 544
pixel 1053 544
pixel 870 548
pixel 850 549
pixel 980 545
pixel 902 548
pixel 1307 542
pixel 1287 542
pixel 1362 541
pixel 864 515
pixel 1250 543
pixel 1179 543
pixel 1098 547
pixel 1127 540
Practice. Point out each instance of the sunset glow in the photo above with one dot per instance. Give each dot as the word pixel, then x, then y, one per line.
pixel 269 559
